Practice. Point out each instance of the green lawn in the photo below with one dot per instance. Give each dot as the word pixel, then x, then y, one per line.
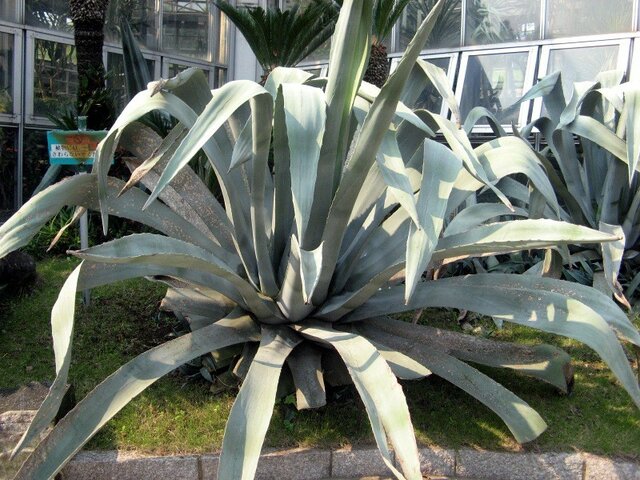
pixel 178 415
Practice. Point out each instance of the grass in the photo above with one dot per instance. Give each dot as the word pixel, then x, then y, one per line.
pixel 178 415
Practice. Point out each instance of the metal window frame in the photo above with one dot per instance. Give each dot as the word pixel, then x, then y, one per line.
pixel 623 44
pixel 18 84
pixel 314 65
pixel 532 57
pixel 634 66
pixel 157 58
pixel 451 71
pixel 30 117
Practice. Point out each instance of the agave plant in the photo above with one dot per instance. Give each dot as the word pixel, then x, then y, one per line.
pixel 589 150
pixel 334 205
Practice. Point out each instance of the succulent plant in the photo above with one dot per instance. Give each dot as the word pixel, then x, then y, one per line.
pixel 338 205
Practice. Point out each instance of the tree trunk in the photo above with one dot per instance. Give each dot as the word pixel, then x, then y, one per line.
pixel 88 21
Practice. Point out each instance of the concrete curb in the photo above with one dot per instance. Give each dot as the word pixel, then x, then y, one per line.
pixel 311 464
pixel 315 464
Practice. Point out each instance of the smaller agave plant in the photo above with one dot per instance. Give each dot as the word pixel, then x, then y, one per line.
pixel 337 205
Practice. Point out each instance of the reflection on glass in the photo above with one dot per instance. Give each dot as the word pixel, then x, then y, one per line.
pixel 51 14
pixel 115 79
pixel 6 73
pixel 185 27
pixel 495 82
pixel 141 16
pixel 428 97
pixel 566 18
pixel 9 10
pixel 55 81
pixel 581 64
pixel 35 160
pixel 222 52
pixel 8 171
pixel 496 21
pixel 446 31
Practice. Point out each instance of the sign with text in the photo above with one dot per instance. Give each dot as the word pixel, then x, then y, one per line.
pixel 72 147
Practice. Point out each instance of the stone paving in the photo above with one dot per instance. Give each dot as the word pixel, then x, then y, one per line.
pixel 313 464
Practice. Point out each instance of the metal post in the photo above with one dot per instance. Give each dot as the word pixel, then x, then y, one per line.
pixel 84 243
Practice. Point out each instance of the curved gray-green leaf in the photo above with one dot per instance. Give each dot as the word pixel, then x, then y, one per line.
pixel 524 422
pixel 253 407
pixel 108 398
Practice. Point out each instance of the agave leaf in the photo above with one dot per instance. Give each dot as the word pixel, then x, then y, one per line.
pixel 439 80
pixel 546 304
pixel 242 148
pixel 108 398
pixel 261 116
pixel 369 92
pixel 189 302
pixel 516 235
pixel 290 300
pixel 612 253
pixel 479 113
pixel 402 366
pixel 283 203
pixel 520 418
pixel 593 130
pixel 546 362
pixel 476 215
pixel 253 407
pixel 439 172
pixel 306 369
pixel 81 190
pixel 347 63
pixel 305 116
pixel 226 100
pixel 161 251
pixel 62 315
pixel 366 146
pixel 632 99
pixel 392 168
pixel 461 146
pixel 380 392
pixel 282 75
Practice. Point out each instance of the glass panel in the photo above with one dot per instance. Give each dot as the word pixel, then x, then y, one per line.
pixel 8 171
pixel 185 27
pixel 497 21
pixel 428 98
pixel 495 82
pixel 6 73
pixel 35 161
pixel 51 14
pixel 55 77
pixel 446 31
pixel 142 18
pixel 9 11
pixel 581 64
pixel 566 18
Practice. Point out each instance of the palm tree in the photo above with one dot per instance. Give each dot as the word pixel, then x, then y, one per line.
pixel 385 15
pixel 283 38
pixel 88 18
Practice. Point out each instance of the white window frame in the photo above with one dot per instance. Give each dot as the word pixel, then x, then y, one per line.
pixel 157 59
pixel 451 71
pixel 16 116
pixel 531 51
pixel 30 118
pixel 308 66
pixel 624 46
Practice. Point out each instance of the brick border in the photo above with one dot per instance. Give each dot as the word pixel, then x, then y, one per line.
pixel 311 464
